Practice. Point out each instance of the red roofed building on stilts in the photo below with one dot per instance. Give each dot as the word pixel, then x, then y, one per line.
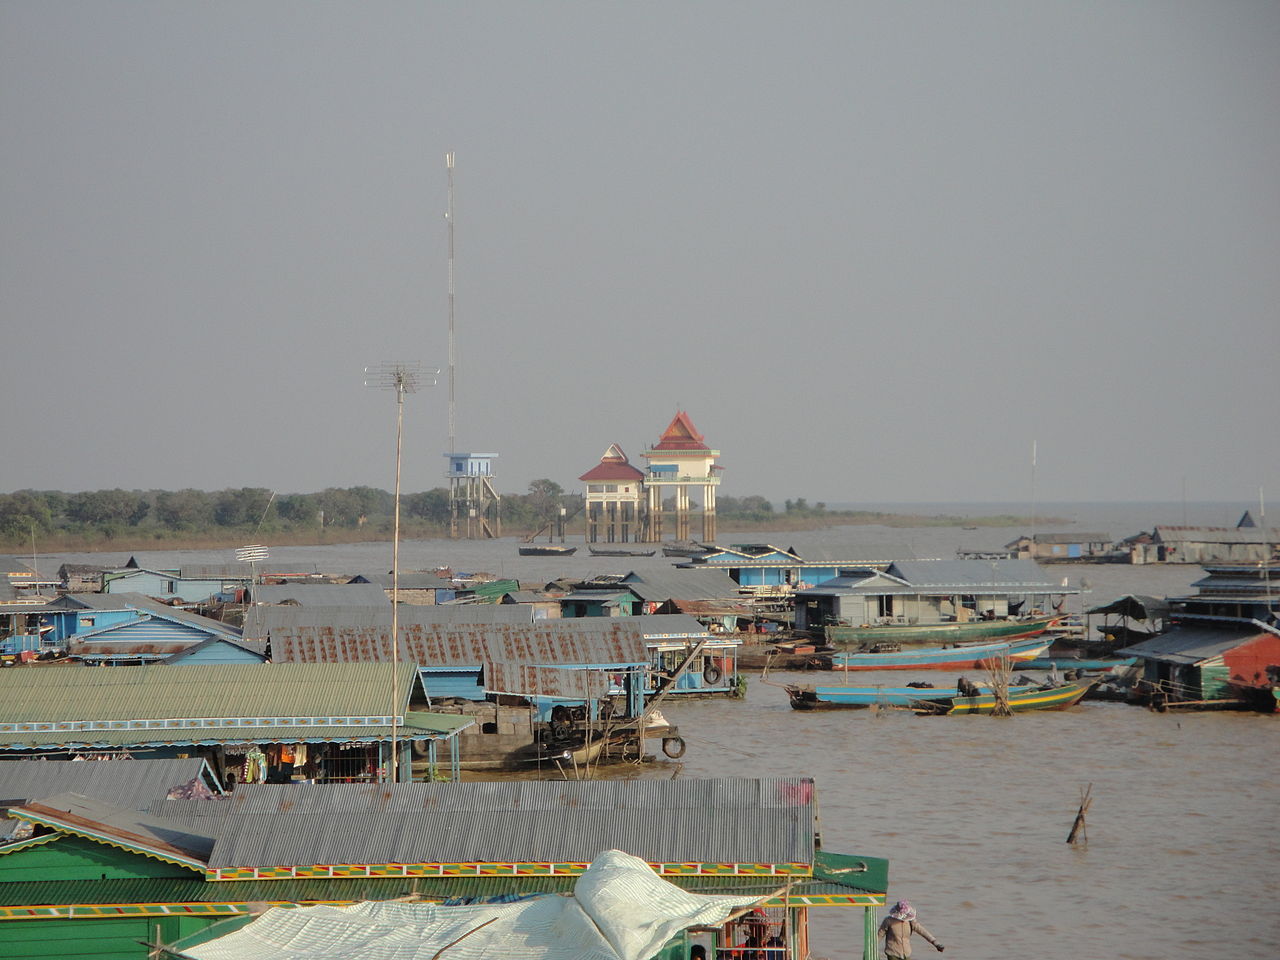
pixel 624 503
pixel 615 499
pixel 679 462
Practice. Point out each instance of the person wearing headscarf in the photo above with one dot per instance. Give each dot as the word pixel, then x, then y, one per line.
pixel 897 929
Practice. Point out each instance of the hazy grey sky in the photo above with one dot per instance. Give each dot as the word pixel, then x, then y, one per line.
pixel 875 249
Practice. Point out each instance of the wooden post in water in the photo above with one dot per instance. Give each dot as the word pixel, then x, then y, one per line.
pixel 1079 834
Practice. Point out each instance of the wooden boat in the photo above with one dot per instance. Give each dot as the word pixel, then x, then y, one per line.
pixel 684 548
pixel 546 550
pixel 1019 701
pixel 961 656
pixel 1076 663
pixel 944 632
pixel 619 552
pixel 857 698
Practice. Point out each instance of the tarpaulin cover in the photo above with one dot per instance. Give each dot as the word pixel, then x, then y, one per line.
pixel 620 910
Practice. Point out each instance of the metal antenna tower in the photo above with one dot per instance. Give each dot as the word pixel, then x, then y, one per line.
pixel 402 378
pixel 448 162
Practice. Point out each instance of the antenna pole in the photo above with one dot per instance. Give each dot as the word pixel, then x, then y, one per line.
pixel 1033 499
pixel 402 378
pixel 1266 547
pixel 448 161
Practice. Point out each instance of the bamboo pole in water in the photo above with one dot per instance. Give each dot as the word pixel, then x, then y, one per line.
pixel 1078 831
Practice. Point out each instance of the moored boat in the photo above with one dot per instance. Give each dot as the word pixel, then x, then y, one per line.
pixel 961 656
pixel 842 698
pixel 546 550
pixel 942 632
pixel 684 548
pixel 1077 663
pixel 1058 697
pixel 619 552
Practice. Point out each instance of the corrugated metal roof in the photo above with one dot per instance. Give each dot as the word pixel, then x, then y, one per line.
pixel 1192 644
pixel 418 725
pixel 711 821
pixel 1020 573
pixel 242 571
pixel 320 594
pixel 499 647
pixel 133 784
pixel 408 581
pixel 168 837
pixel 814 551
pixel 51 694
pixel 1070 538
pixel 686 584
pixel 136 601
pixel 263 620
pixel 1177 534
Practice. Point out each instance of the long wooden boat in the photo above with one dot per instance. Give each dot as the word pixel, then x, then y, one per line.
pixel 1019 701
pixel 947 632
pixel 547 550
pixel 619 552
pixel 859 698
pixel 1077 663
pixel 684 548
pixel 961 656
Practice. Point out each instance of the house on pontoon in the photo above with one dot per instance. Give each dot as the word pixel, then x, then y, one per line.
pixel 1222 646
pixel 764 569
pixel 930 591
pixel 337 714
pixel 1058 547
pixel 131 879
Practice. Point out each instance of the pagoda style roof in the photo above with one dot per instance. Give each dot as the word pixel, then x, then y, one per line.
pixel 681 434
pixel 613 466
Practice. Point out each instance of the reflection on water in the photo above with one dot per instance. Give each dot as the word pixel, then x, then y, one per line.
pixel 973 812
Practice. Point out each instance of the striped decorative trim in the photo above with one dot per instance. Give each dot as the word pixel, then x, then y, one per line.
pixel 98 911
pixel 31 842
pixel 347 871
pixel 120 844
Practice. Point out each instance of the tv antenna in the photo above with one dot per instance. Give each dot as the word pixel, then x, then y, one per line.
pixel 402 378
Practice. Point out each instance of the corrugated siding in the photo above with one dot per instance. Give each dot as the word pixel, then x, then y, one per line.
pixel 133 784
pixel 150 636
pixel 38 694
pixel 178 890
pixel 720 821
pixel 537 642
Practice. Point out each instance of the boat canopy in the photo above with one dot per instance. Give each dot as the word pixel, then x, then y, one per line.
pixel 1135 606
pixel 620 910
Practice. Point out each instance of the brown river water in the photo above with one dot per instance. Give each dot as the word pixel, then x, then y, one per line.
pixel 1183 854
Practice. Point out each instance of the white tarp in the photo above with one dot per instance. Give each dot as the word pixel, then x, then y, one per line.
pixel 620 910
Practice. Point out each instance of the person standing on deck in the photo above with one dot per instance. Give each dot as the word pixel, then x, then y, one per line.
pixel 897 929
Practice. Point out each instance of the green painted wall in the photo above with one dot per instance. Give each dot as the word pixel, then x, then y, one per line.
pixel 72 858
pixel 105 939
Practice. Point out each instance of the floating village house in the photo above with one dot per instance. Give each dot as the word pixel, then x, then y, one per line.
pixel 1055 547
pixel 764 569
pixel 295 720
pixel 128 628
pixel 1245 543
pixel 199 583
pixel 928 591
pixel 526 682
pixel 102 879
pixel 1223 645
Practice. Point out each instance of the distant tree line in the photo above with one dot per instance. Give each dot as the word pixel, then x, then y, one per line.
pixel 96 515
